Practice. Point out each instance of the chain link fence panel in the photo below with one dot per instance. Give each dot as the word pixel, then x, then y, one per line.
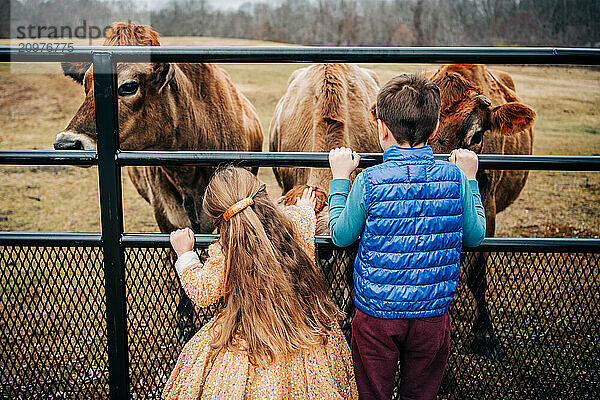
pixel 53 323
pixel 545 309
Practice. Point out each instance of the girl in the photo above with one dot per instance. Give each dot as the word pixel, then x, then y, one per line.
pixel 277 336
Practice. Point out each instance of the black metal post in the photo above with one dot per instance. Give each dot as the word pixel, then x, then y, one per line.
pixel 111 213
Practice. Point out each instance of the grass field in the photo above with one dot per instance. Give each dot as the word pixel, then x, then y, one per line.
pixel 36 102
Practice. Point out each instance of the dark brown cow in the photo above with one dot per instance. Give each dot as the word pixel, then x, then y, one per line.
pixel 167 106
pixel 481 111
pixel 325 106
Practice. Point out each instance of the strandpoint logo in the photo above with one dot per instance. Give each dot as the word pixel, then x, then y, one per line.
pixel 82 31
pixel 55 39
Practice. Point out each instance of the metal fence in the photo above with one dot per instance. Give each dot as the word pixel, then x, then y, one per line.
pixel 93 315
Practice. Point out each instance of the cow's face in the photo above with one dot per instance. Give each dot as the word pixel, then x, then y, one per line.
pixel 467 117
pixel 143 102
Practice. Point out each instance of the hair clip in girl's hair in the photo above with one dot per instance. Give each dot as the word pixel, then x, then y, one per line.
pixel 237 207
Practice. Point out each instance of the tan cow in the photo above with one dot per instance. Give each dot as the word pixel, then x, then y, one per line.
pixel 167 106
pixel 481 111
pixel 325 106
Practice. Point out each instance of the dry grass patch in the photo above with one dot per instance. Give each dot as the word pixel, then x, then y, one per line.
pixel 34 107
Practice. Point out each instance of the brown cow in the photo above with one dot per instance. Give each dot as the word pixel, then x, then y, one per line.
pixel 481 111
pixel 167 106
pixel 325 106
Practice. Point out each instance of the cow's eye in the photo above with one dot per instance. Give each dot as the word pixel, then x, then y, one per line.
pixel 128 88
pixel 477 136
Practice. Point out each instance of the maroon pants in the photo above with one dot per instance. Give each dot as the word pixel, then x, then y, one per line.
pixel 421 345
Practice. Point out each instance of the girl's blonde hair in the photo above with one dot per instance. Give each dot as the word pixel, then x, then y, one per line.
pixel 275 296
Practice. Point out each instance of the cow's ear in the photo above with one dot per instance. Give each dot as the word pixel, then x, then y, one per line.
pixel 162 75
pixel 321 197
pixel 511 118
pixel 291 197
pixel 75 70
pixel 373 112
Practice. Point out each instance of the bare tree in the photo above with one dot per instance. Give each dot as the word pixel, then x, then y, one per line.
pixel 343 22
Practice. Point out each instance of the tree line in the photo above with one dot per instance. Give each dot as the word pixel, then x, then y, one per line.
pixel 349 22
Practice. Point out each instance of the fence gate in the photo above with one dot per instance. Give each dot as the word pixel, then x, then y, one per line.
pixel 92 315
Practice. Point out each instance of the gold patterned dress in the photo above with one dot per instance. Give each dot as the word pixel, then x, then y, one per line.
pixel 203 372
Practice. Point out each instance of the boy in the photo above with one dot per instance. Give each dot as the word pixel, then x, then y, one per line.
pixel 413 215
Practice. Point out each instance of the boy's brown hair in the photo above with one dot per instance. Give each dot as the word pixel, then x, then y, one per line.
pixel 410 107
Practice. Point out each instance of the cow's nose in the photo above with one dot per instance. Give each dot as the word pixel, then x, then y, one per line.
pixel 68 144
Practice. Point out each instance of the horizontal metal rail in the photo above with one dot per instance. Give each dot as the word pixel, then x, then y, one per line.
pixel 161 240
pixel 544 245
pixel 291 159
pixel 48 157
pixel 490 55
pixel 320 160
pixel 69 239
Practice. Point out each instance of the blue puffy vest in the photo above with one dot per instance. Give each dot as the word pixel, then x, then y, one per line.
pixel 408 259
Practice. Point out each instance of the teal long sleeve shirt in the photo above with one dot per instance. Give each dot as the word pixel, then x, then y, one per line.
pixel 348 213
